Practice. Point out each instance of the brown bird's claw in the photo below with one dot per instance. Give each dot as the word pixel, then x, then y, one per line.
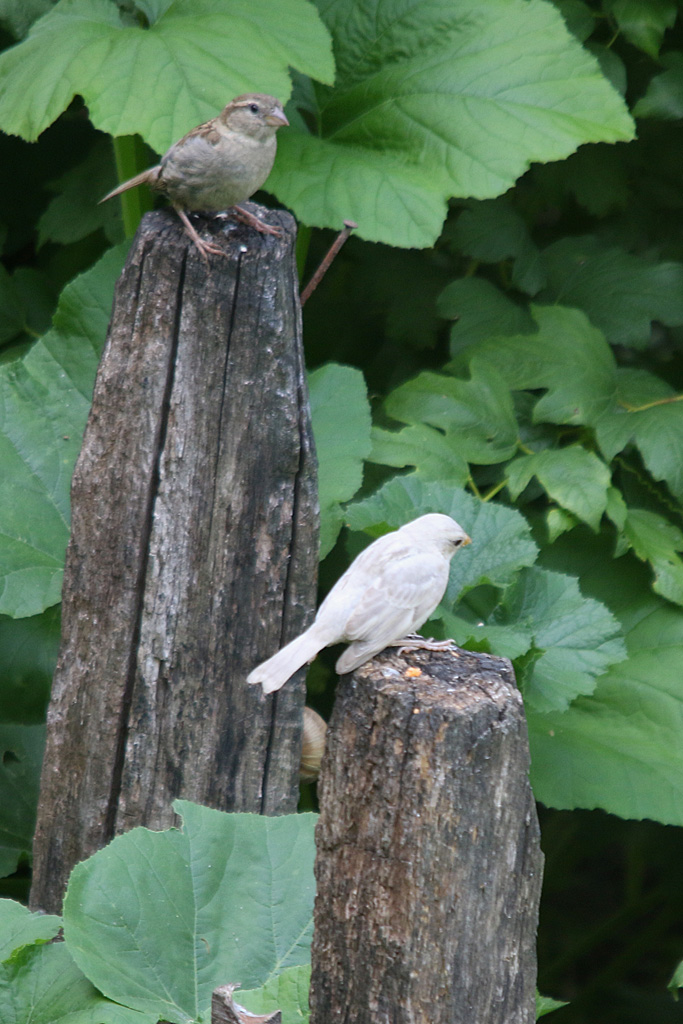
pixel 255 222
pixel 414 642
pixel 205 248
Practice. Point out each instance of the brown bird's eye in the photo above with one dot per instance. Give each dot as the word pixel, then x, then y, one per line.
pixel 254 108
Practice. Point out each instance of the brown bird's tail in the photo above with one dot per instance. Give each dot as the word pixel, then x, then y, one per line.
pixel 147 177
pixel 274 673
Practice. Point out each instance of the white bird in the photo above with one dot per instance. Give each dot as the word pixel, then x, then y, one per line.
pixel 387 592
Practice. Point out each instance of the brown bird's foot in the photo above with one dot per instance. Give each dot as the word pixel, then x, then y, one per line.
pixel 414 642
pixel 255 222
pixel 205 248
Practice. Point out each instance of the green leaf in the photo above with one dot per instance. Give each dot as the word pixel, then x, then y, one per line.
pixel 480 312
pixel 575 638
pixel 567 356
pixel 596 176
pixel 620 749
pixel 158 919
pixel 476 416
pixel 619 292
pixel 505 641
pixel 664 96
pixel 676 981
pixel 75 211
pixel 493 231
pixel 159 81
pixel 501 539
pixel 28 655
pixel 27 301
pixel 288 992
pixel 17 16
pixel 658 542
pixel 44 404
pixel 573 477
pixel 435 100
pixel 579 17
pixel 647 412
pixel 544 1004
pixel 19 927
pixel 340 416
pixel 644 22
pixel 21 755
pixel 433 455
pixel 42 984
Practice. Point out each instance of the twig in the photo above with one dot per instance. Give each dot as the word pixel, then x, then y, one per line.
pixel 349 226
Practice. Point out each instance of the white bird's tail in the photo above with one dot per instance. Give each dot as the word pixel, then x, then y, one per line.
pixel 274 673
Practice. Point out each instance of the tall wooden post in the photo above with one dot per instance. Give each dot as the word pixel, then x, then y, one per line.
pixel 193 551
pixel 428 859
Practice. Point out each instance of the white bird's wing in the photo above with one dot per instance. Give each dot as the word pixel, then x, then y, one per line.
pixel 400 597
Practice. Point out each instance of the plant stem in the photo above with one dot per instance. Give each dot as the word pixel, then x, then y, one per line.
pixel 131 158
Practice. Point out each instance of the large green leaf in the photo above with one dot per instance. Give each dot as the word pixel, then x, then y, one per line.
pixel 159 81
pixel 644 22
pixel 19 927
pixel 575 638
pixel 568 357
pixel 432 454
pixel 501 539
pixel 439 99
pixel 657 541
pixel 21 755
pixel 44 404
pixel 28 655
pixel 288 993
pixel 620 293
pixel 157 920
pixel 480 311
pixel 573 477
pixel 647 412
pixel 476 415
pixel 340 416
pixel 41 984
pixel 620 748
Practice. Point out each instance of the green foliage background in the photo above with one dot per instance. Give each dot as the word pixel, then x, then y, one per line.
pixel 501 340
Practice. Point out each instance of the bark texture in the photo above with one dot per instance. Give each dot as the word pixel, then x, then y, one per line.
pixel 193 552
pixel 428 858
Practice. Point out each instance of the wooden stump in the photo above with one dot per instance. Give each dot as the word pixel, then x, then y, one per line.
pixel 193 552
pixel 428 859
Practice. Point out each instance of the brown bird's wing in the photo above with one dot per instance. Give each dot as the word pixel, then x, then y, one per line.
pixel 207 130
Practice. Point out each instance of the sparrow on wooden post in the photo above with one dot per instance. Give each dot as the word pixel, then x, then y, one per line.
pixel 387 592
pixel 218 164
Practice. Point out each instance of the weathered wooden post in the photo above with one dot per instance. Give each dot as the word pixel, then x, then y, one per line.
pixel 193 551
pixel 428 861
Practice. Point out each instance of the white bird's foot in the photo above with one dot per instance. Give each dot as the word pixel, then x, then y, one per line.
pixel 255 222
pixel 415 642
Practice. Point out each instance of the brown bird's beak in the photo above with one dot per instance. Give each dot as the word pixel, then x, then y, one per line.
pixel 276 118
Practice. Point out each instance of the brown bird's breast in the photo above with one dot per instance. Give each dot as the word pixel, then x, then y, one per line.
pixel 202 174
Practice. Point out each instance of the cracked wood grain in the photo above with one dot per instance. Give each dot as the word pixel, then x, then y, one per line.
pixel 193 552
pixel 428 861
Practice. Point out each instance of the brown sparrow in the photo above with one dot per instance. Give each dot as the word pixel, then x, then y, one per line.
pixel 218 164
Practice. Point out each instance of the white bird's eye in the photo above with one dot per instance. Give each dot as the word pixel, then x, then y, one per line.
pixel 254 108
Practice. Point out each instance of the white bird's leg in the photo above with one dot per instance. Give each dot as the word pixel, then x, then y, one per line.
pixel 204 247
pixel 255 222
pixel 415 642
